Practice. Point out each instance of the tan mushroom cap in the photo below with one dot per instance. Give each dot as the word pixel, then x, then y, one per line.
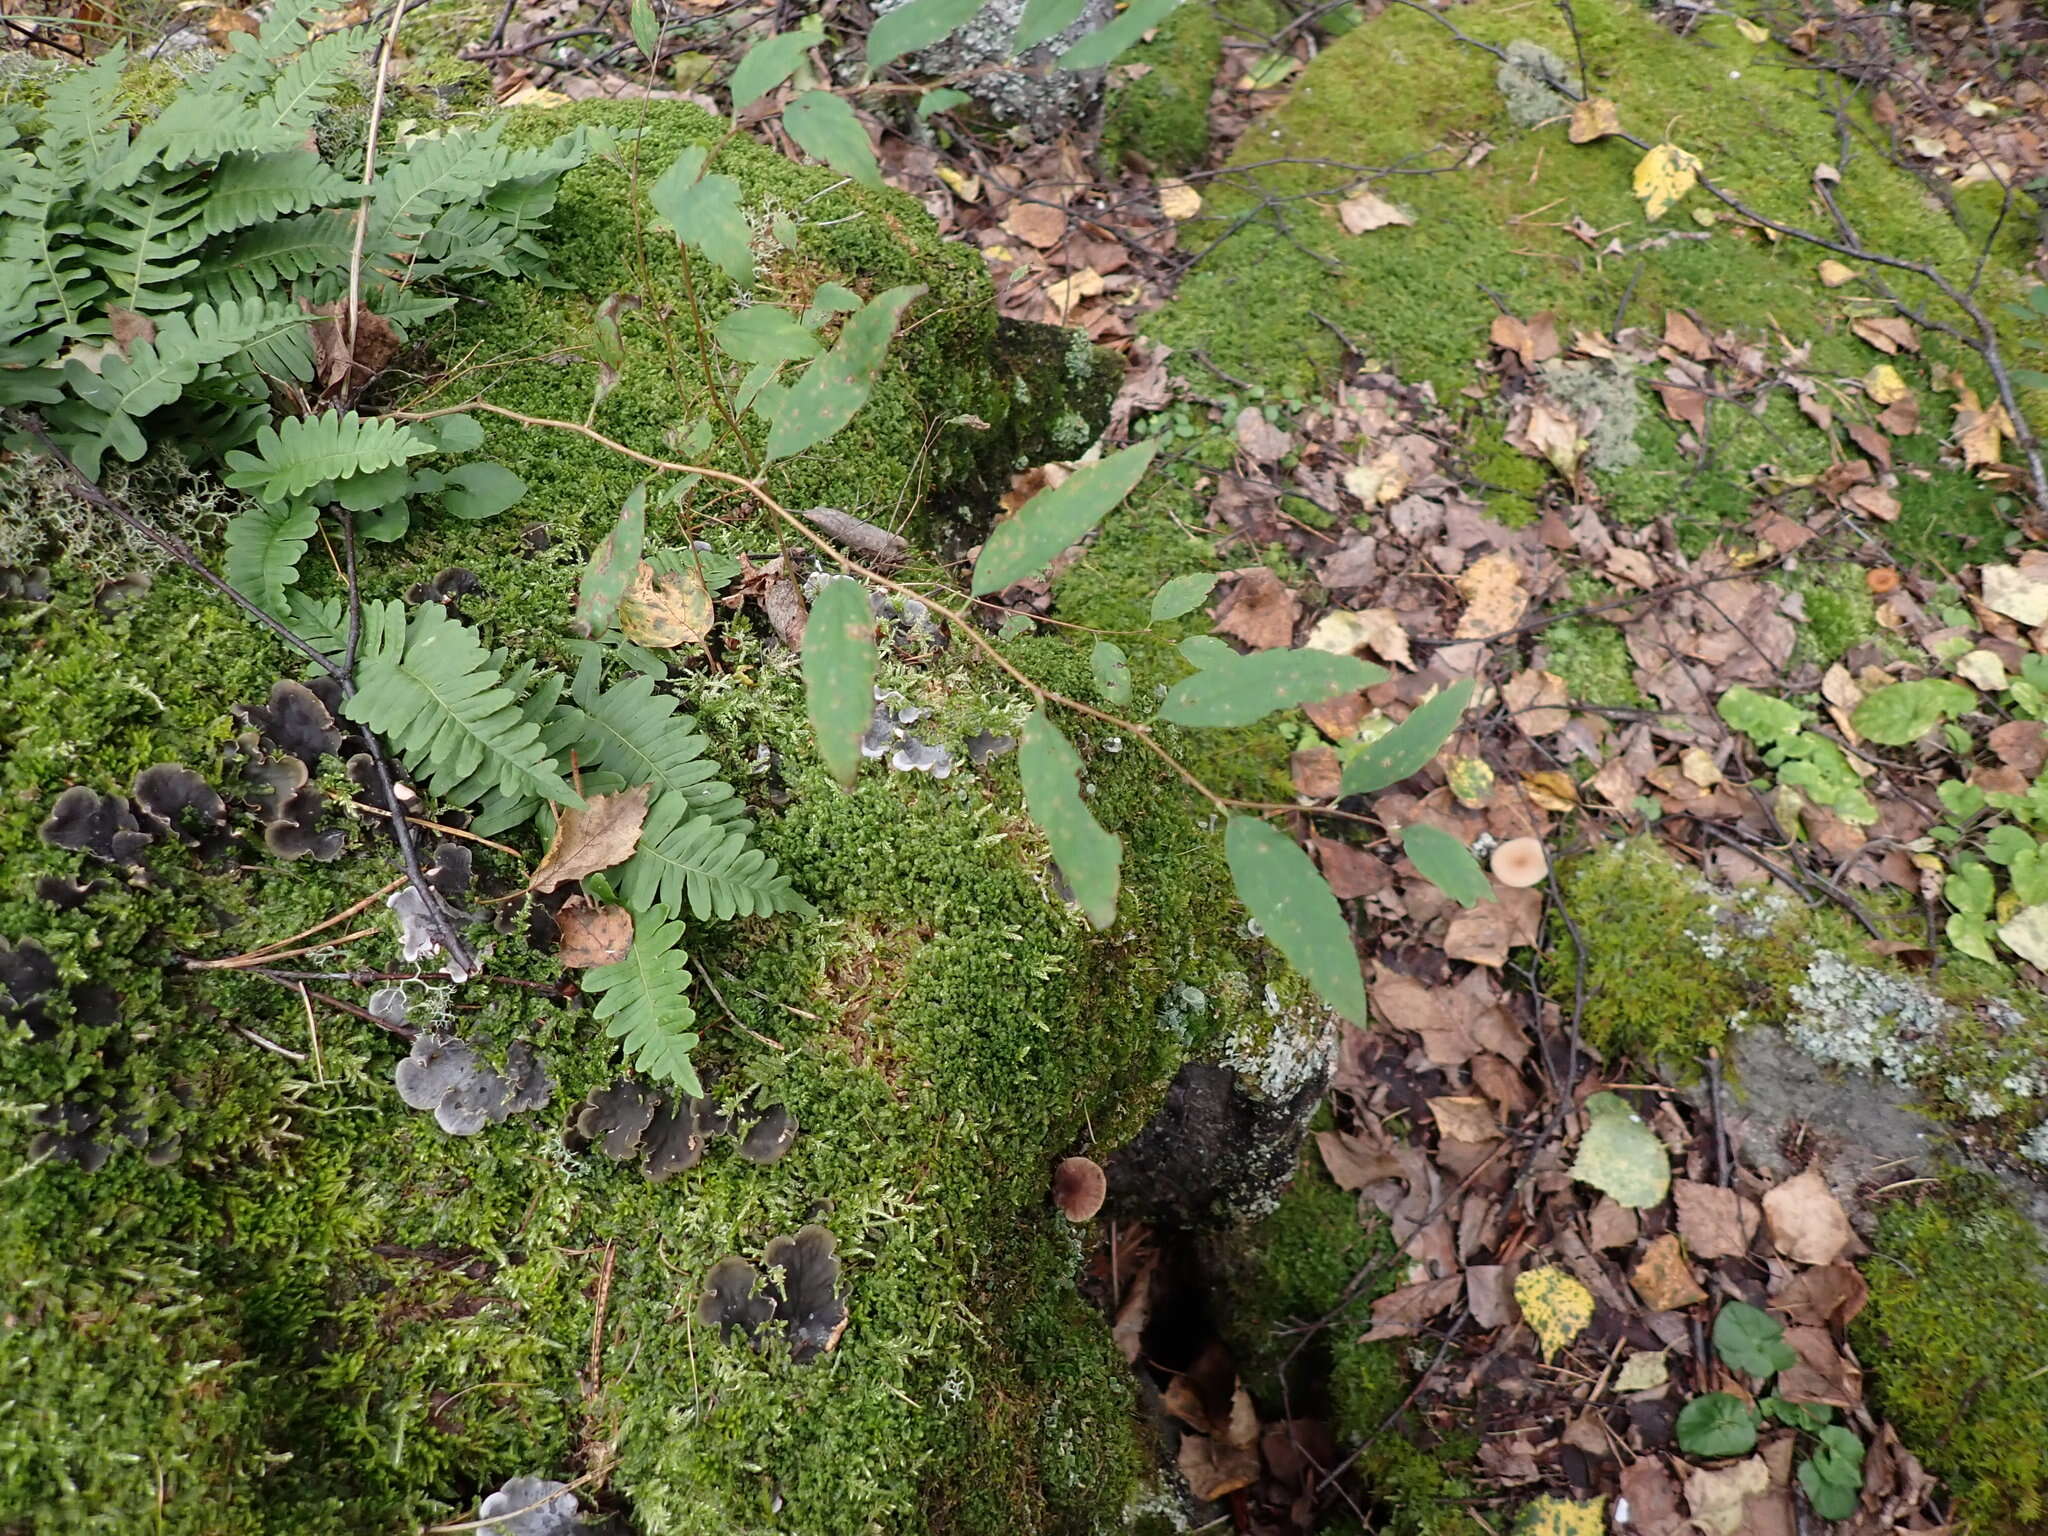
pixel 1520 862
pixel 1079 1187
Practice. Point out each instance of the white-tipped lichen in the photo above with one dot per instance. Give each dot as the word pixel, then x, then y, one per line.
pixel 1851 1015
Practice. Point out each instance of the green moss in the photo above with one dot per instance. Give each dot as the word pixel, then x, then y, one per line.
pixel 1163 114
pixel 1956 1334
pixel 1293 1267
pixel 1839 612
pixel 1398 88
pixel 326 1316
pixel 1591 655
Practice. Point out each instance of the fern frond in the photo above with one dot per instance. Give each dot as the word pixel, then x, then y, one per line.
pixel 428 686
pixel 636 733
pixel 199 127
pixel 82 127
pixel 257 189
pixel 263 549
pixel 642 1002
pixel 685 858
pixel 149 240
pixel 47 269
pixel 272 256
pixel 155 373
pixel 290 460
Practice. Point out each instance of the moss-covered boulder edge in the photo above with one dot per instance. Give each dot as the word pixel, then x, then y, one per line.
pixel 312 1310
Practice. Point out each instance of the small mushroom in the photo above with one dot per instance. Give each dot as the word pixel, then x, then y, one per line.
pixel 615 1118
pixel 179 802
pixel 295 720
pixel 65 1140
pixel 27 976
pixel 86 821
pixel 672 1142
pixel 66 895
pixel 733 1299
pixel 295 833
pixel 449 873
pixel 1079 1186
pixel 529 1506
pixel 1520 862
pixel 770 1136
pixel 808 1303
pixel 450 1077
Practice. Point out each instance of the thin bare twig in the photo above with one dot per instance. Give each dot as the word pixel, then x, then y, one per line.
pixel 355 255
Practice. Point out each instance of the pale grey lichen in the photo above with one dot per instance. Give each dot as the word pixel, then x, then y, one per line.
pixel 1275 1061
pixel 1852 1015
pixel 450 1077
pixel 530 1506
pixel 2035 1148
pixel 1537 84
pixel 1609 407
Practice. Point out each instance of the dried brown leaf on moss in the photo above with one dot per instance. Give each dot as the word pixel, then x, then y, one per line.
pixel 1807 1222
pixel 593 934
pixel 605 832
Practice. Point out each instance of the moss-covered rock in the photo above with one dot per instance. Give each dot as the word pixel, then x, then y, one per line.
pixel 1162 113
pixel 313 1311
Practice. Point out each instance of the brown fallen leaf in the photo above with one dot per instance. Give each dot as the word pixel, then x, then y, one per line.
pixel 1260 610
pixel 1806 1221
pixel 1351 870
pixel 1401 1313
pixel 1890 334
pixel 1651 1493
pixel 1533 340
pixel 1716 1223
pixel 1366 210
pixel 593 934
pixel 664 610
pixel 1463 1117
pixel 1718 1497
pixel 1536 699
pixel 1823 1375
pixel 1260 438
pixel 1042 225
pixel 1430 1012
pixel 1345 632
pixel 1214 1469
pixel 1493 1076
pixel 1553 434
pixel 1663 1278
pixel 1316 772
pixel 1354 1161
pixel 605 832
pixel 1495 598
pixel 1490 1292
pixel 1613 1225
pixel 1594 118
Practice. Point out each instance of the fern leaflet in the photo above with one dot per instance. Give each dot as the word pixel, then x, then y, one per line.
pixel 263 549
pixel 430 688
pixel 682 858
pixel 631 730
pixel 642 1002
pixel 255 189
pixel 290 460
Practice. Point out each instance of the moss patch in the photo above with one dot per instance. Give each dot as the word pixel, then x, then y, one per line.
pixel 1958 1338
pixel 1163 114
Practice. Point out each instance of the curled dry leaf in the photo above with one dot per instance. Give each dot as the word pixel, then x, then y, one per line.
pixel 1806 1221
pixel 1716 1223
pixel 1178 200
pixel 663 610
pixel 1594 118
pixel 593 934
pixel 1663 1279
pixel 1366 210
pixel 605 832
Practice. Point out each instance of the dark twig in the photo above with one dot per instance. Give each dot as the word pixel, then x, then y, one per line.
pixel 1720 1127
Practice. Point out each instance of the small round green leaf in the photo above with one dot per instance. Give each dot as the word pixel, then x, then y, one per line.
pixel 1752 1340
pixel 1717 1424
pixel 475 491
pixel 1904 712
pixel 1183 594
pixel 1112 671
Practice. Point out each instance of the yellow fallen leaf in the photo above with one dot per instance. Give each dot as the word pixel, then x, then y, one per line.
pixel 1552 1516
pixel 1070 290
pixel 1552 791
pixel 965 187
pixel 1884 385
pixel 1663 176
pixel 1178 200
pixel 1555 1305
pixel 1594 118
pixel 1750 31
pixel 1470 780
pixel 1365 209
pixel 536 96
pixel 1834 273
pixel 1980 432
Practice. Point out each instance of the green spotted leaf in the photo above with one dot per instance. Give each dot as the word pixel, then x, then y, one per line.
pixel 761 333
pixel 825 128
pixel 1043 20
pixel 834 387
pixel 770 62
pixel 1183 594
pixel 1408 747
pixel 1102 48
pixel 1240 689
pixel 1112 671
pixel 1622 1158
pixel 1087 855
pixel 705 213
pixel 1024 543
pixel 1446 864
pixel 646 30
pixel 839 660
pixel 915 26
pixel 612 568
pixel 1292 903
